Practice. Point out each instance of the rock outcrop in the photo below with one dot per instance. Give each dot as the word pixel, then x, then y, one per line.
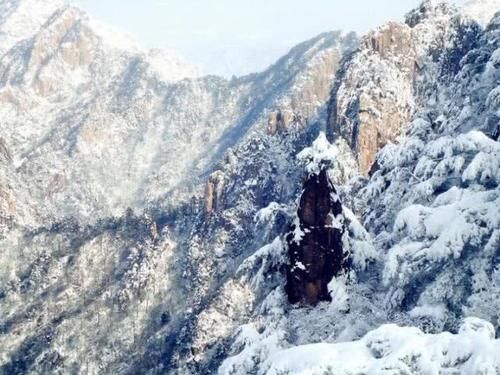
pixel 315 246
pixel 377 88
pixel 280 121
pixel 375 99
pixel 213 192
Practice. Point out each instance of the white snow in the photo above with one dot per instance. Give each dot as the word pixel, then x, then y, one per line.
pixel 396 350
pixel 267 213
pixel 481 10
pixel 361 246
pixel 435 312
pixel 338 291
pixel 115 131
pixel 320 155
pixel 337 222
pixel 170 66
pixel 112 37
pixel 298 233
pixel 21 19
pixel 299 265
pixel 262 260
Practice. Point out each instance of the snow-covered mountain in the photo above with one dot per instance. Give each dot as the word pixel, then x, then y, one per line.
pixel 61 84
pixel 153 221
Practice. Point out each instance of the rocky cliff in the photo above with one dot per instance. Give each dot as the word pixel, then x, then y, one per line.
pixel 378 88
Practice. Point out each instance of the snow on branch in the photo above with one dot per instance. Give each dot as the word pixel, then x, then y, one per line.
pixel 319 156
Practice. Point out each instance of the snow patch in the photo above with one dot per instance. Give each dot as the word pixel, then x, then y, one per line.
pixel 319 156
pixel 394 349
pixel 481 10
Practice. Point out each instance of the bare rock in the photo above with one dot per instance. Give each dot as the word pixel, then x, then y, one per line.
pixel 375 100
pixel 314 242
pixel 213 192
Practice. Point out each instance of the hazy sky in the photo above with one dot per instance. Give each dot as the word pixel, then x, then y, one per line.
pixel 240 36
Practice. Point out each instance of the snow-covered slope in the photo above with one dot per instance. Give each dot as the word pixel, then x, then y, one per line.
pixel 482 10
pixel 22 19
pixel 143 214
pixel 60 86
pixel 398 350
pixel 425 249
pixel 90 127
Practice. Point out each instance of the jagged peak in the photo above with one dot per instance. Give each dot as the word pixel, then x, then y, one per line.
pixel 171 66
pixel 33 5
pixel 431 10
pixel 109 35
pixel 25 19
pixel 112 37
pixel 168 64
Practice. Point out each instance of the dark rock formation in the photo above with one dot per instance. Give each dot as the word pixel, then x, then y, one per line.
pixel 315 242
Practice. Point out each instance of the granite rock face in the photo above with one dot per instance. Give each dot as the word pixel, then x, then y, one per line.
pixel 314 242
pixel 378 87
pixel 375 99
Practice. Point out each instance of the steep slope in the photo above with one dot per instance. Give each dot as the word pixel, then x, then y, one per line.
pixel 89 128
pixel 430 210
pixel 75 76
pixel 56 87
pixel 449 216
pixel 20 20
pixel 377 89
